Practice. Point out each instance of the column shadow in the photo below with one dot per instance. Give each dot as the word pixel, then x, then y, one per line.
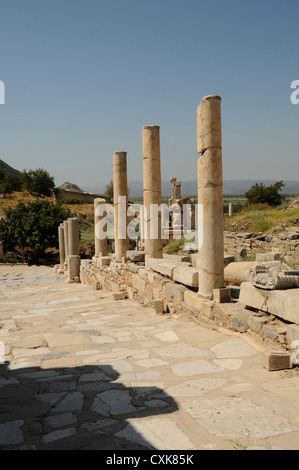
pixel 75 408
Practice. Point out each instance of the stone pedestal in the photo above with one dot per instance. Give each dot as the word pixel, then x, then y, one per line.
pixel 100 243
pixel 210 195
pixel 120 198
pixel 152 190
pixel 73 268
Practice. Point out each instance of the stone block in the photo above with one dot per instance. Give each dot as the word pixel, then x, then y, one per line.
pixel 222 295
pixel 119 295
pixel 207 308
pixel 135 256
pixel 284 304
pixel 159 306
pixel 270 331
pixel 271 256
pixel 103 261
pixel 292 332
pixel 174 293
pixel 255 323
pixel 277 360
pixel 240 319
pixel 73 267
pixel 251 296
pixel 193 300
pixel 162 266
pixel 186 275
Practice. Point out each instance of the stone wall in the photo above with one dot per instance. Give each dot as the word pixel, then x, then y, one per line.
pixel 285 243
pixel 149 287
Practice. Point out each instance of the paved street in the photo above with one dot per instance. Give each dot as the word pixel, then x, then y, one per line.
pixel 84 371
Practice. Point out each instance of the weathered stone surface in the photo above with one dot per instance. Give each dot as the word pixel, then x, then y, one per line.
pixel 222 295
pixel 277 360
pixel 281 303
pixel 135 256
pixel 186 275
pixel 193 300
pixel 161 266
pixel 240 319
pixel 174 293
pixel 253 297
pixel 237 272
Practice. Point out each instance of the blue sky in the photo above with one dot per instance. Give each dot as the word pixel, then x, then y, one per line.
pixel 82 78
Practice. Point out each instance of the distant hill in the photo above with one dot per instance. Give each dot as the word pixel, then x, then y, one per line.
pixel 71 187
pixel 8 170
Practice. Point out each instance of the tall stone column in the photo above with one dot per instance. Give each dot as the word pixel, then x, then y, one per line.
pixel 120 199
pixel 152 190
pixel 210 195
pixel 230 209
pixel 100 243
pixel 61 245
pixel 73 236
pixel 66 238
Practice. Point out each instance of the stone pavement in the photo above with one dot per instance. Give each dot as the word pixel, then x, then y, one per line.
pixel 84 371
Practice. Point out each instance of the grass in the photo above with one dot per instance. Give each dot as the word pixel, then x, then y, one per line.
pixel 262 218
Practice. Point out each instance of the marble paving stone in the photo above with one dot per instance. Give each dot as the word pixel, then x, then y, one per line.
pixel 233 348
pixel 153 362
pixel 195 387
pixel 186 369
pixel 236 417
pixel 180 350
pixel 156 433
pixel 10 433
pixel 60 434
pixel 73 401
pixel 64 419
pixel 229 364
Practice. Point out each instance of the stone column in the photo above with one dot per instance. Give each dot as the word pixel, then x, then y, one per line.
pixel 100 244
pixel 120 199
pixel 230 210
pixel 61 245
pixel 210 195
pixel 152 189
pixel 73 236
pixel 66 239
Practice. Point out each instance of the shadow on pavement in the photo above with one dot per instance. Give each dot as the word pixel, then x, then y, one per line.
pixel 75 408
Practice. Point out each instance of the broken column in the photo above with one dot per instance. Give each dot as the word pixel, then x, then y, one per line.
pixel 61 246
pixel 210 195
pixel 73 249
pixel 100 242
pixel 120 199
pixel 152 190
pixel 230 210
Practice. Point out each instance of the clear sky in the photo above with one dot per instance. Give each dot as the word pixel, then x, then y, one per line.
pixel 83 76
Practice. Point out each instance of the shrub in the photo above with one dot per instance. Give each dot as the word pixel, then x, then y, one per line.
pixel 32 228
pixel 38 182
pixel 261 194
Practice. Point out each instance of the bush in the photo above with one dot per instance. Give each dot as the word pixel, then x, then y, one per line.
pixel 32 228
pixel 38 182
pixel 261 194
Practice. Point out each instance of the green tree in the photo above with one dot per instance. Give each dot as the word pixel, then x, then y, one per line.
pixel 8 184
pixel 109 190
pixel 38 182
pixel 32 228
pixel 261 194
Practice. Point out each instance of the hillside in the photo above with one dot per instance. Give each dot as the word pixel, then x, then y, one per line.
pixel 8 170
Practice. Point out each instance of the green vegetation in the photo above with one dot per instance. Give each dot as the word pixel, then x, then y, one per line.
pixel 261 194
pixel 32 229
pixel 38 182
